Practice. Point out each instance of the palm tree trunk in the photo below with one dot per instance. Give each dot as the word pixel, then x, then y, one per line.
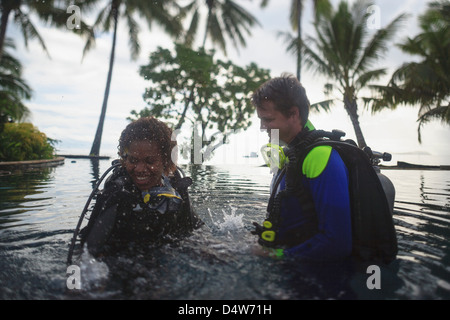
pixel 210 4
pixel 352 109
pixel 299 39
pixel 3 25
pixel 95 150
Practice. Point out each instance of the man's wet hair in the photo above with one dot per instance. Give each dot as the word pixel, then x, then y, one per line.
pixel 285 92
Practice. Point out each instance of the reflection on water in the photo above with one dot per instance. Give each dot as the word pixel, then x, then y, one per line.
pixel 422 217
pixel 39 210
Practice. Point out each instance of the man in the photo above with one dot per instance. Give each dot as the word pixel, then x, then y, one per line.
pixel 313 220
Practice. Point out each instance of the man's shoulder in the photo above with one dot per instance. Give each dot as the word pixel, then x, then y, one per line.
pixel 317 160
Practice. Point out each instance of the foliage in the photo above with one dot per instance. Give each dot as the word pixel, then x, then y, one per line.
pixel 23 141
pixel 216 92
pixel 114 10
pixel 108 18
pixel 13 89
pixel 342 51
pixel 426 82
pixel 192 85
pixel 295 42
pixel 225 19
pixel 52 12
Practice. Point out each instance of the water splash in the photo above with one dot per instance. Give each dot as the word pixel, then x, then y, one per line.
pixel 93 272
pixel 231 222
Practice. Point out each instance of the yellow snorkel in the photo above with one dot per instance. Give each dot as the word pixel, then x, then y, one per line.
pixel 274 156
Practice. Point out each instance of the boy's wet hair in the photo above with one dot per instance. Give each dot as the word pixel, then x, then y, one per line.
pixel 285 92
pixel 153 130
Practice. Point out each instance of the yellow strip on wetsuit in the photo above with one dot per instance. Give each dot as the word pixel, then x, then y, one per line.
pixel 316 161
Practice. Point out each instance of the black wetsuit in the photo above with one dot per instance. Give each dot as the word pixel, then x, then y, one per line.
pixel 121 216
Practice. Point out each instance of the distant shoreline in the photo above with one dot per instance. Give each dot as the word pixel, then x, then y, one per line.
pixel 412 166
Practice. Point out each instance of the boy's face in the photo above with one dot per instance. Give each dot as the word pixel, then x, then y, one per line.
pixel 272 119
pixel 144 164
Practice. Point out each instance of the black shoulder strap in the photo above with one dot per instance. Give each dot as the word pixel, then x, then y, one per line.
pixel 293 188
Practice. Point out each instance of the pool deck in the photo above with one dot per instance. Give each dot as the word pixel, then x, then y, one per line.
pixel 76 156
pixel 7 166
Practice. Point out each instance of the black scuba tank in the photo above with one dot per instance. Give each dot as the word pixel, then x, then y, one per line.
pixel 372 197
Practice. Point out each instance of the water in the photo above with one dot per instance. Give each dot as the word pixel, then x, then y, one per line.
pixel 39 210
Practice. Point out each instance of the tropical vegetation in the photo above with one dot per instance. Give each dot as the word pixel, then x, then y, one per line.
pixel 426 81
pixel 192 85
pixel 13 89
pixel 225 19
pixel 344 51
pixel 107 20
pixel 295 42
pixel 23 141
pixel 52 12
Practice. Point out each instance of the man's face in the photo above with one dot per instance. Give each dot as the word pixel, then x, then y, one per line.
pixel 272 119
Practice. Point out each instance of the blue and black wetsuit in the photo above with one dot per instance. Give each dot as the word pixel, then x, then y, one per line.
pixel 327 202
pixel 324 176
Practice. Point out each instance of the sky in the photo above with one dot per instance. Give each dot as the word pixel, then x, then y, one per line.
pixel 68 90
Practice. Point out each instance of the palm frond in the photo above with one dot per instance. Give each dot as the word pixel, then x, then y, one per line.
pixel 377 46
pixel 437 113
pixel 133 31
pixel 193 28
pixel 226 21
pixel 29 31
pixel 324 105
pixel 369 76
pixel 215 32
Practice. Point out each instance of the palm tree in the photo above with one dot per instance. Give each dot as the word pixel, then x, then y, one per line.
pixel 321 7
pixel 49 11
pixel 13 89
pixel 342 52
pixel 225 19
pixel 108 17
pixel 427 82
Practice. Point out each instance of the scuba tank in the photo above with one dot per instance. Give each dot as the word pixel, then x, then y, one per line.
pixel 388 187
